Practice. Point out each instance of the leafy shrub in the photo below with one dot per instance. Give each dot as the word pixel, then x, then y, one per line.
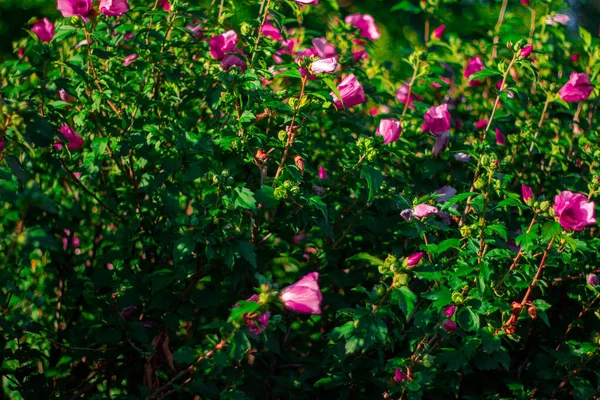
pixel 258 210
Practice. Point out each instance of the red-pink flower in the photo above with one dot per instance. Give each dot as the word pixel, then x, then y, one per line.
pixel 437 121
pixel 399 376
pixel 481 124
pixel 322 173
pixel 222 44
pixel 574 57
pixel 74 141
pixel 449 311
pixel 474 65
pixel 164 4
pixel 231 60
pixel 366 24
pixel 527 193
pixel 269 30
pixel 256 323
pixel 449 326
pixel 305 2
pixel 2 145
pixel 113 8
pixel 323 48
pixel 500 138
pixel 351 91
pixel 68 8
pixel 578 88
pixel 573 210
pixel 593 280
pixel 304 296
pixel 438 32
pixel 130 59
pixel 44 29
pixel 525 2
pixel 424 211
pixel 414 259
pixel 390 129
pixel 403 97
pixel 526 51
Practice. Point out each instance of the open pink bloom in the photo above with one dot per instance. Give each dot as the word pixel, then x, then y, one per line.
pixel 474 65
pixel 74 141
pixel 44 29
pixel 307 1
pixel 424 210
pixel 447 191
pixel 449 311
pixel 351 91
pixel 256 323
pixel 578 88
pixel 304 296
pixel 366 24
pixel 573 210
pixel 130 59
pixel 449 326
pixel 323 48
pixel 403 97
pixel 481 124
pixel 500 138
pixel 437 121
pixel 222 44
pixel 323 173
pixel 164 4
pixel 113 8
pixel 526 51
pixel 66 97
pixel 560 18
pixel 526 192
pixel 231 60
pixel 414 259
pixel 326 65
pixel 399 376
pixel 68 8
pixel 438 32
pixel 390 129
pixel 269 30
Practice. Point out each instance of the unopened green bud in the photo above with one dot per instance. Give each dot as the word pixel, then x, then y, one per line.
pixel 457 298
pixel 544 205
pixel 402 279
pixel 465 231
pixel 479 183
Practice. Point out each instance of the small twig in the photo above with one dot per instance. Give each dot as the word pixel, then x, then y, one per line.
pixel 497 29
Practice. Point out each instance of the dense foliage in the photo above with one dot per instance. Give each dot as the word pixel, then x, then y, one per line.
pixel 196 207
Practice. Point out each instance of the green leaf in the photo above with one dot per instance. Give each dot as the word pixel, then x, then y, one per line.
pixel 366 257
pixel 406 5
pixel 185 355
pixel 99 146
pixel 183 248
pixel 245 198
pixel 239 346
pixel 550 229
pixel 331 85
pixel 62 32
pixel 242 308
pixel 468 319
pixel 440 298
pixel 484 73
pixel 248 251
pixel 585 36
pixel 374 179
pixel 406 301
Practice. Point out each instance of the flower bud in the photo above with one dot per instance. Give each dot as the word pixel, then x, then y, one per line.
pixel 593 280
pixel 449 326
pixel 449 311
pixel 300 164
pixel 544 205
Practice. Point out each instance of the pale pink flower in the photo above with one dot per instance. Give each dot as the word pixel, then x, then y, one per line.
pixel 304 296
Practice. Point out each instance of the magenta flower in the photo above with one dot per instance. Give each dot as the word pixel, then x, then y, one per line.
pixel 270 30
pixel 481 124
pixel 66 97
pixel 231 60
pixel 256 323
pixel 164 4
pixel 44 29
pixel 304 296
pixel 130 59
pixel 525 2
pixel 390 129
pixel 447 191
pixel 578 88
pixel 424 211
pixel 113 8
pixel 526 51
pixel 324 66
pixel 366 24
pixel 402 96
pixel 593 280
pixel 399 376
pixel 527 193
pixel 305 2
pixel 74 141
pixel 438 32
pixel 574 57
pixel 437 120
pixel 449 326
pixel 500 138
pixel 474 65
pixel 222 44
pixel 351 91
pixel 2 145
pixel 68 8
pixel 573 210
pixel 449 311
pixel 323 48
pixel 414 259
pixel 323 173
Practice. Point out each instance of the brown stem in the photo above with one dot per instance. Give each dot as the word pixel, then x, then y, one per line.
pixel 516 260
pixel 497 29
pixel 532 25
pixel 585 309
pixel 501 88
pixel 427 244
pixel 543 116
pixel 264 9
pixel 486 200
pixel 410 85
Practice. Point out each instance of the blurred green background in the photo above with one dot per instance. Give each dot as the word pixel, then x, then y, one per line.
pixel 398 27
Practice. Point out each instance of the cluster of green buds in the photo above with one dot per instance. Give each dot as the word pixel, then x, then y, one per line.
pixel 366 146
pixel 286 189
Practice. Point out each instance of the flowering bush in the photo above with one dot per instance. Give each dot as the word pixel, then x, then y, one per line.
pixel 428 237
